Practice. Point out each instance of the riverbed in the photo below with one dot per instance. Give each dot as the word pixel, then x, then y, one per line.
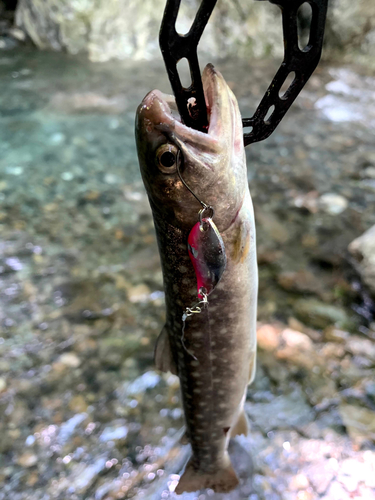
pixel 83 413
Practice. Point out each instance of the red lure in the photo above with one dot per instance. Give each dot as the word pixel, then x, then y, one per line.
pixel 207 253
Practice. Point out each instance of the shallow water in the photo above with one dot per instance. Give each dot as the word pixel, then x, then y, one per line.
pixel 81 300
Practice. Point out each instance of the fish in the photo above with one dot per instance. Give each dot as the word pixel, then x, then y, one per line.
pixel 212 352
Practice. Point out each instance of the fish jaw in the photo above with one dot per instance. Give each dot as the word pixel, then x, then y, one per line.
pixel 212 164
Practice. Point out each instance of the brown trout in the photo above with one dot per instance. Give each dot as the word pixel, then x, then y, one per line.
pixel 214 357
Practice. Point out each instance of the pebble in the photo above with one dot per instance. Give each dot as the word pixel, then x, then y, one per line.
pixel 333 334
pixel 27 459
pixel 78 404
pixel 14 170
pixel 3 384
pixel 332 203
pixel 359 422
pixel 67 176
pixel 296 339
pixel 69 359
pixel 139 293
pixel 111 179
pixel 57 139
pixel 299 482
pixel 268 337
pixel 113 433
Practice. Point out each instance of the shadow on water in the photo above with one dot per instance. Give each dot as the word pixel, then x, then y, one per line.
pixel 84 416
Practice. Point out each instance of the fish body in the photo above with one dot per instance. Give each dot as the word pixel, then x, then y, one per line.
pixel 215 360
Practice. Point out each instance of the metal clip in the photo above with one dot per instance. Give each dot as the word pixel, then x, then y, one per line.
pixel 301 62
pixel 175 47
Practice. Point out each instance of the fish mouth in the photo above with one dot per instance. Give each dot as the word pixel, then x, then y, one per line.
pixel 159 112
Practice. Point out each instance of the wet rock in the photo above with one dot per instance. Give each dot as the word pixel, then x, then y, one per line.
pixel 359 346
pixel 363 251
pixel 281 413
pixel 78 404
pixel 88 102
pixel 359 422
pixel 139 293
pixel 83 476
pixel 332 203
pixel 3 384
pixel 300 281
pixel 268 337
pixel 299 482
pixel 297 348
pixel 333 334
pixel 321 475
pixel 336 490
pixel 319 314
pixel 115 432
pixel 27 459
pixel 68 428
pixel 69 359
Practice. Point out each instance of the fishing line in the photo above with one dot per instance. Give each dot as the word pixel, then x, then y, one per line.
pixel 189 311
pixel 204 205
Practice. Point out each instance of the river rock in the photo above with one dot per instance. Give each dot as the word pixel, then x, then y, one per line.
pixel 268 337
pixel 333 203
pixel 107 29
pixel 363 251
pixel 27 459
pixel 359 422
pixel 319 314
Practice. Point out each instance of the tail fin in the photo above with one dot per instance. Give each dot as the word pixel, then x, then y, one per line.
pixel 222 480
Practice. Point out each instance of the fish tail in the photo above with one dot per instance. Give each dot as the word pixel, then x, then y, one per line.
pixel 223 480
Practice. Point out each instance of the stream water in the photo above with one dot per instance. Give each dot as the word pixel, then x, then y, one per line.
pixel 83 414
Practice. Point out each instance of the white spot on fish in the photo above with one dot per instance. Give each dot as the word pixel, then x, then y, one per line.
pixel 197 391
pixel 197 335
pixel 196 374
pixel 195 363
pixel 182 269
pixel 224 330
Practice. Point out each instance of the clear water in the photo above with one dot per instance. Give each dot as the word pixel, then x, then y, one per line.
pixel 81 300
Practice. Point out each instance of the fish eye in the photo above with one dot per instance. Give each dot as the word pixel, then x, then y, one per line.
pixel 166 158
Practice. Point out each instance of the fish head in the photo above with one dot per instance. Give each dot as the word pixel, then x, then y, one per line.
pixel 212 164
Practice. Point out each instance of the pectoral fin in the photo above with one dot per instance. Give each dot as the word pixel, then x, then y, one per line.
pixel 163 355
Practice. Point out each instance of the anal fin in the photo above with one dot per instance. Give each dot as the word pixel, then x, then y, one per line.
pixel 163 355
pixel 241 426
